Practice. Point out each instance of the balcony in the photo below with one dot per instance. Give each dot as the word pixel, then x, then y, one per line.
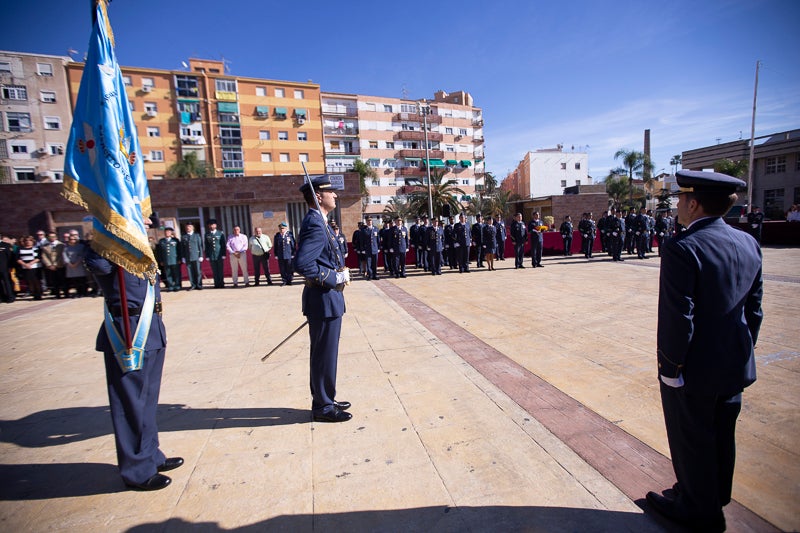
pixel 478 139
pixel 410 171
pixel 341 111
pixel 477 122
pixel 415 117
pixel 352 151
pixel 347 130
pixel 337 169
pixel 432 154
pixel 413 135
pixel 187 92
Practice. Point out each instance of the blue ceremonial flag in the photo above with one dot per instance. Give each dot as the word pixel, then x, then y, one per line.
pixel 103 170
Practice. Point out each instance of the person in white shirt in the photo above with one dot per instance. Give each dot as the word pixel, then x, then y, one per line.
pixel 260 245
pixel 237 252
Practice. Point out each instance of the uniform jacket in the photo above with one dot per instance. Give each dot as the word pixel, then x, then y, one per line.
pixel 284 245
pixel 533 229
pixel 489 238
pixel 341 241
pixel 168 251
pixel 518 232
pixel 709 308
pixel 370 240
pixel 501 232
pixel 566 229
pixel 461 234
pixel 317 259
pixel 400 239
pixel 192 246
pixel 435 240
pixel 215 245
pixel 477 233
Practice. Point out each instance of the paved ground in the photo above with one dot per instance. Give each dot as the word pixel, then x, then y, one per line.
pixel 508 400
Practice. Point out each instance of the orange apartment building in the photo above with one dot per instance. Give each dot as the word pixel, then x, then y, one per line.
pixel 238 126
pixel 388 134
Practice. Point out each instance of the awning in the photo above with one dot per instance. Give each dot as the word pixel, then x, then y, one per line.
pixel 451 162
pixel 280 110
pixel 262 110
pixel 435 163
pixel 466 163
pixel 300 112
pixel 413 158
pixel 227 107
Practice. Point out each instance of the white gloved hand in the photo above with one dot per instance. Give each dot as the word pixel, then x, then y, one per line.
pixel 200 259
pixel 456 245
pixel 343 277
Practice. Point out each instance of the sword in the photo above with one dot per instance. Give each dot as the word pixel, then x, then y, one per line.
pixel 292 334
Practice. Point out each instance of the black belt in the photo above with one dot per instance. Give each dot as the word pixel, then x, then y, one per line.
pixel 315 285
pixel 116 311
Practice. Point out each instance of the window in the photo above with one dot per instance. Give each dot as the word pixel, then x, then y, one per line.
pixel 228 86
pixel 58 175
pixel 186 85
pixel 15 92
pixel 797 162
pixel 577 166
pixel 24 174
pixel 52 123
pixel 283 135
pixel 56 149
pixel 387 108
pixel 126 80
pixel 18 121
pixel 261 91
pixel 44 69
pixel 449 148
pixel 284 158
pixel 773 203
pixel 230 136
pixel 776 165
pixel 280 93
pixel 48 97
pixel 298 94
pixel 156 155
pixel 263 135
pixel 153 131
pixel 390 145
pixel 148 83
pixel 5 66
pixel 464 182
pixel 374 163
pixel 304 158
pixel 266 157
pixel 371 107
pixel 336 145
pixel 448 131
pixel 462 131
pixel 19 148
pixel 232 158
pixel 373 145
pixel 391 163
pixel 408 108
pixel 563 183
pixel 302 136
pixel 150 108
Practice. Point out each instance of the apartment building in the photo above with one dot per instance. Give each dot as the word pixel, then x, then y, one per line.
pixel 236 125
pixel 389 135
pixel 547 172
pixel 36 116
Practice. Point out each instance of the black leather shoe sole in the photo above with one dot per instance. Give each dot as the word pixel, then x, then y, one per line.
pixel 155 482
pixel 344 406
pixel 336 416
pixel 171 463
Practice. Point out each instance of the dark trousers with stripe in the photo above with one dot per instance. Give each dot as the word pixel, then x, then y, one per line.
pixel 324 336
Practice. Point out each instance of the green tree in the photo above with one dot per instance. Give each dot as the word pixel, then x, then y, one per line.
pixel 442 192
pixel 636 163
pixel 616 187
pixel 737 169
pixel 364 171
pixel 189 168
pixel 489 183
pixel 674 162
pixel 398 206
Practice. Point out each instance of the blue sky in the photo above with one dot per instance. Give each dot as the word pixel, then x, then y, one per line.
pixel 579 73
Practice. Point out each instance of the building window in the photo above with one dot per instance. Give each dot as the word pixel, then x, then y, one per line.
pixel 408 108
pixel 150 108
pixel 263 135
pixel 153 131
pixel 373 145
pixel 387 108
pixel 390 145
pixel 19 148
pixel 464 182
pixel 797 162
pixel 5 66
pixel 44 69
pixel 148 84
pixel 227 86
pixel 577 166
pixel 283 135
pixel 266 157
pixel 773 204
pixel 563 183
pixel 156 155
pixel 336 145
pixel 448 131
pixel 232 158
pixel 24 174
pixel 230 136
pixel 15 92
pixel 449 148
pixel 563 167
pixel 48 97
pixel 391 163
pixel 462 131
pixel 56 149
pixel 261 91
pixel 298 94
pixel 18 121
pixel 302 136
pixel 52 123
pixel 126 80
pixel 776 165
pixel 284 158
pixel 58 175
pixel 304 158
pixel 186 86
pixel 280 93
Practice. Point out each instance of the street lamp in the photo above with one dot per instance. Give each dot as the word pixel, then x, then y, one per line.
pixel 424 109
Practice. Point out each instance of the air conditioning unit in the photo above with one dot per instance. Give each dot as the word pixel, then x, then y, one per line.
pixel 147 88
pixel 145 157
pixel 151 113
pixel 301 121
pixel 42 151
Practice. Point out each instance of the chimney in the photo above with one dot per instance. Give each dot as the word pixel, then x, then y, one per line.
pixel 646 173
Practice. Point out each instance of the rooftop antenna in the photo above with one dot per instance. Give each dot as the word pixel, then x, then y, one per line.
pixel 71 52
pixel 404 92
pixel 226 65
pixel 185 65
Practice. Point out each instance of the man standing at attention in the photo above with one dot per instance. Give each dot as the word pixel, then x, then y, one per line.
pixel 260 245
pixel 537 240
pixel 318 260
pixel 168 254
pixel 519 234
pixel 192 255
pixel 709 315
pixel 237 251
pixel 285 247
pixel 215 252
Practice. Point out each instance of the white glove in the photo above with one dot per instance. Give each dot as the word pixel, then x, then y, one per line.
pixel 675 383
pixel 343 277
pixel 183 261
pixel 391 250
pixel 200 259
pixel 456 245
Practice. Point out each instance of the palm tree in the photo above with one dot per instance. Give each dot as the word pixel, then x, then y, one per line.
pixel 190 167
pixel 441 193
pixel 636 163
pixel 489 183
pixel 616 187
pixel 364 171
pixel 674 162
pixel 397 206
pixel 737 169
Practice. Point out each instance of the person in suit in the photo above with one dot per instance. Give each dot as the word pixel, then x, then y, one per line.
pixel 709 316
pixel 461 242
pixel 358 249
pixel 341 240
pixel 168 254
pixel 449 241
pixel 615 229
pixel 421 244
pixel 500 224
pixel 215 253
pixel 413 235
pixel 133 392
pixel 519 234
pixel 399 247
pixel 435 246
pixel 477 240
pixel 566 234
pixel 370 244
pixel 537 240
pixel 641 230
pixel 192 255
pixel 489 240
pixel 319 261
pixel 285 247
pixel 755 223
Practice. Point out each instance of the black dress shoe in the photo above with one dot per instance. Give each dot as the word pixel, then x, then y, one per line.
pixel 668 508
pixel 155 482
pixel 344 406
pixel 170 463
pixel 337 415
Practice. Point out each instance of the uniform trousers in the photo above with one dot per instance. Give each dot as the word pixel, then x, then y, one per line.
pixel 501 249
pixel 172 276
pixel 324 337
pixel 195 274
pixel 285 266
pixel 519 254
pixel 133 398
pixel 261 262
pixel 536 251
pixel 567 245
pixel 218 269
pixel 236 264
pixel 399 264
pixel 463 258
pixel 701 434
pixel 372 266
